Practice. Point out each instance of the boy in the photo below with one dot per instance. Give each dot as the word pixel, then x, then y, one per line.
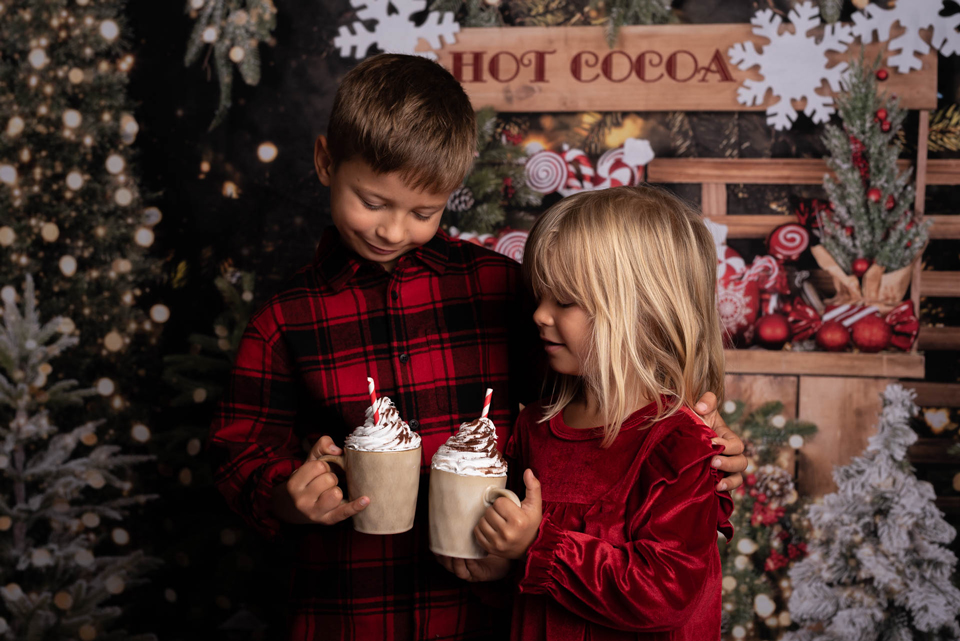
pixel 432 320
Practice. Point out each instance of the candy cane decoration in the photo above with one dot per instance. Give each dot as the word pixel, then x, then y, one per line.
pixel 486 403
pixel 577 159
pixel 373 400
pixel 545 171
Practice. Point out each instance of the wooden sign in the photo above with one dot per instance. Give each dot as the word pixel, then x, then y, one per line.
pixel 649 68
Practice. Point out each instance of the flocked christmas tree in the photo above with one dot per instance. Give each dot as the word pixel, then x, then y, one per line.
pixel 872 218
pixel 878 568
pixel 769 529
pixel 63 496
pixel 232 31
pixel 496 183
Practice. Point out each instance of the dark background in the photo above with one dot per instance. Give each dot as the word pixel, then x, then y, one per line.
pixel 218 580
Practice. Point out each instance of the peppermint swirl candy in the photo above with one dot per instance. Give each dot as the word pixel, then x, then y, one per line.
pixel 787 242
pixel 511 245
pixel 545 171
pixel 614 170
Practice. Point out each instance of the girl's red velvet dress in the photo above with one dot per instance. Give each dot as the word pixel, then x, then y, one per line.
pixel 628 544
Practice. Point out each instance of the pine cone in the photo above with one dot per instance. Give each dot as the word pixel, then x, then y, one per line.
pixel 775 482
pixel 460 200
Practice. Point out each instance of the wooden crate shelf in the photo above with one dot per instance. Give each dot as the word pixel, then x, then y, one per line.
pixel 937 394
pixel 945 284
pixel 780 362
pixel 943 338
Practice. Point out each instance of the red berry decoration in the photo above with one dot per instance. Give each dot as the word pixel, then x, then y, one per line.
pixel 885 126
pixel 882 113
pixel 773 331
pixel 874 195
pixel 848 231
pixel 910 225
pixel 871 334
pixel 860 266
pixel 882 74
pixel 891 202
pixel 833 336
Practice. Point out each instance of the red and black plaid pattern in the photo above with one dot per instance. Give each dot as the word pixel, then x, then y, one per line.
pixel 434 334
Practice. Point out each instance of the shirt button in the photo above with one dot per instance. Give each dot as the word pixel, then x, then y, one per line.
pixel 394 295
pixel 404 358
pixel 414 424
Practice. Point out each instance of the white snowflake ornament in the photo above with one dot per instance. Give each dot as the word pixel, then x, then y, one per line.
pixel 875 23
pixel 394 31
pixel 793 65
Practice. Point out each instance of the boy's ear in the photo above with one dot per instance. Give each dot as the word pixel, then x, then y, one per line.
pixel 322 161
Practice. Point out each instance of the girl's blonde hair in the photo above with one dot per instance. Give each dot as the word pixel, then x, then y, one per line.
pixel 643 266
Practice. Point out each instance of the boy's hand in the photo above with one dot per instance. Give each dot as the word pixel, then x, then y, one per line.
pixel 490 568
pixel 732 461
pixel 311 494
pixel 507 530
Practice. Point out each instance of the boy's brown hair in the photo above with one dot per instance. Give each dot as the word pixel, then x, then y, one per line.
pixel 405 114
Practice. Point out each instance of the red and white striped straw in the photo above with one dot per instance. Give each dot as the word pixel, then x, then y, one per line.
pixel 373 399
pixel 486 403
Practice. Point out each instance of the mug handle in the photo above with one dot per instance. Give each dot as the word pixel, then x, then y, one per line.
pixel 336 460
pixel 492 493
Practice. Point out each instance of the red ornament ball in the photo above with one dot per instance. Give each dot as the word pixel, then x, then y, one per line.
pixel 871 334
pixel 874 195
pixel 885 126
pixel 848 231
pixel 860 266
pixel 891 202
pixel 882 74
pixel 772 331
pixel 910 225
pixel 833 336
pixel 882 113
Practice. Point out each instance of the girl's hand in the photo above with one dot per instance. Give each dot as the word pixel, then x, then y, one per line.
pixel 492 568
pixel 731 461
pixel 507 530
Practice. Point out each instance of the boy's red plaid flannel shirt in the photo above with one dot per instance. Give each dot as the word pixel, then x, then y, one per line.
pixel 434 335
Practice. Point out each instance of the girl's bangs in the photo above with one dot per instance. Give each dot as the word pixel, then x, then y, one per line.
pixel 553 268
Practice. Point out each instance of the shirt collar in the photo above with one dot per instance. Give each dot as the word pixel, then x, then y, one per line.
pixel 337 264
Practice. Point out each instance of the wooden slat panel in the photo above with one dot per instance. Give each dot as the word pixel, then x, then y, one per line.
pixel 943 172
pixel 884 365
pixel 937 394
pixel 845 412
pixel 932 451
pixel 773 171
pixel 939 338
pixel 940 284
pixel 945 227
pixel 758 226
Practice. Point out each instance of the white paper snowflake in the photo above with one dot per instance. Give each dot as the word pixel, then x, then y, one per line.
pixel 395 32
pixel 874 23
pixel 793 65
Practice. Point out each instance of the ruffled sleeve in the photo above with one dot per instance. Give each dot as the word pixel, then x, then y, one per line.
pixel 656 579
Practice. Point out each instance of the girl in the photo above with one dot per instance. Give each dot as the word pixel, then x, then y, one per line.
pixel 623 543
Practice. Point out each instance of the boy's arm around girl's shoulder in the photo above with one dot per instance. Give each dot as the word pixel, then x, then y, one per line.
pixel 252 441
pixel 655 579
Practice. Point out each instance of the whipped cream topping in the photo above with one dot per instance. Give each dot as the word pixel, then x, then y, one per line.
pixel 390 434
pixel 472 451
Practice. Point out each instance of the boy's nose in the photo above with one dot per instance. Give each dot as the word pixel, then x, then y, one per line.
pixel 391 230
